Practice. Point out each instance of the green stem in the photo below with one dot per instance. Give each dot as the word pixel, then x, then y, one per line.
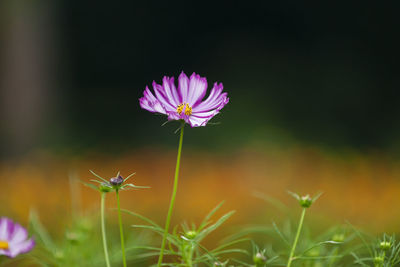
pixel 187 253
pixel 334 254
pixel 291 258
pixel 171 204
pixel 189 262
pixel 121 231
pixel 103 228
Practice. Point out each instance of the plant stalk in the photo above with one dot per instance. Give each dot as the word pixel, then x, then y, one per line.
pixel 103 228
pixel 189 260
pixel 121 230
pixel 291 258
pixel 171 204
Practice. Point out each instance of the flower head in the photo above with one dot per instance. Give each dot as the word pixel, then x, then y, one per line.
pixel 385 245
pixel 185 103
pixel 13 238
pixel 191 234
pixel 259 258
pixel 113 184
pixel 305 201
pixel 116 181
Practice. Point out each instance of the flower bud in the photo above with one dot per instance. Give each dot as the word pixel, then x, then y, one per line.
pixel 190 234
pixel 116 181
pixel 305 201
pixel 338 237
pixel 379 260
pixel 259 259
pixel 73 237
pixel 105 188
pixel 385 245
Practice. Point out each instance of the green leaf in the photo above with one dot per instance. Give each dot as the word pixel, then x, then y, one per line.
pixel 214 226
pixel 280 234
pixel 98 176
pixel 206 219
pixel 92 186
pixel 129 176
pixel 273 201
pixel 40 230
pixel 159 231
pixel 319 244
pixel 141 217
pixel 229 244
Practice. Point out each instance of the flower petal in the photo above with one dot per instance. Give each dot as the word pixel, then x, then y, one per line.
pixel 170 90
pixel 6 226
pixel 173 115
pixel 197 89
pixel 150 103
pixel 195 121
pixel 213 100
pixel 201 118
pixel 19 248
pixel 161 96
pixel 206 114
pixel 183 87
pixel 218 104
pixel 19 234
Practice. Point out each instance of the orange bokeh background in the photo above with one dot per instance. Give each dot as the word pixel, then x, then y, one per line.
pixel 361 189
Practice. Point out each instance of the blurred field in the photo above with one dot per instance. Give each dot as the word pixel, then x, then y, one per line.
pixel 363 189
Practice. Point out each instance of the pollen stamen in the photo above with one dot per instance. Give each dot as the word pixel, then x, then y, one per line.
pixel 179 109
pixel 187 111
pixel 3 244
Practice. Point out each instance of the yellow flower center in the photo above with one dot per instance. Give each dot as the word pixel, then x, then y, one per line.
pixel 188 109
pixel 3 244
pixel 180 108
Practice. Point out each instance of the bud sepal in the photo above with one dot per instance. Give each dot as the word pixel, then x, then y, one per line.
pixel 305 201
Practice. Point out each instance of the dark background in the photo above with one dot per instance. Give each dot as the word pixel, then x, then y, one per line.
pixel 318 73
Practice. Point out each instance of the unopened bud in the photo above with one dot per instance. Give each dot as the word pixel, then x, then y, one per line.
pixel 338 237
pixel 116 181
pixel 305 201
pixel 73 237
pixel 259 259
pixel 105 188
pixel 190 234
pixel 378 260
pixel 385 245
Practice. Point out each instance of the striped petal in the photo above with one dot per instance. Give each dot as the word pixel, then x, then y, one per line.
pixel 170 90
pixel 19 248
pixel 214 99
pixel 197 89
pixel 18 234
pixel 150 103
pixel 161 96
pixel 183 87
pixel 6 226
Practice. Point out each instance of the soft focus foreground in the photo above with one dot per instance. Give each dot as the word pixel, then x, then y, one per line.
pixel 361 189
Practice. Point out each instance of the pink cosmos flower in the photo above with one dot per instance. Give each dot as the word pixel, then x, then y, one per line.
pixel 13 238
pixel 187 102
